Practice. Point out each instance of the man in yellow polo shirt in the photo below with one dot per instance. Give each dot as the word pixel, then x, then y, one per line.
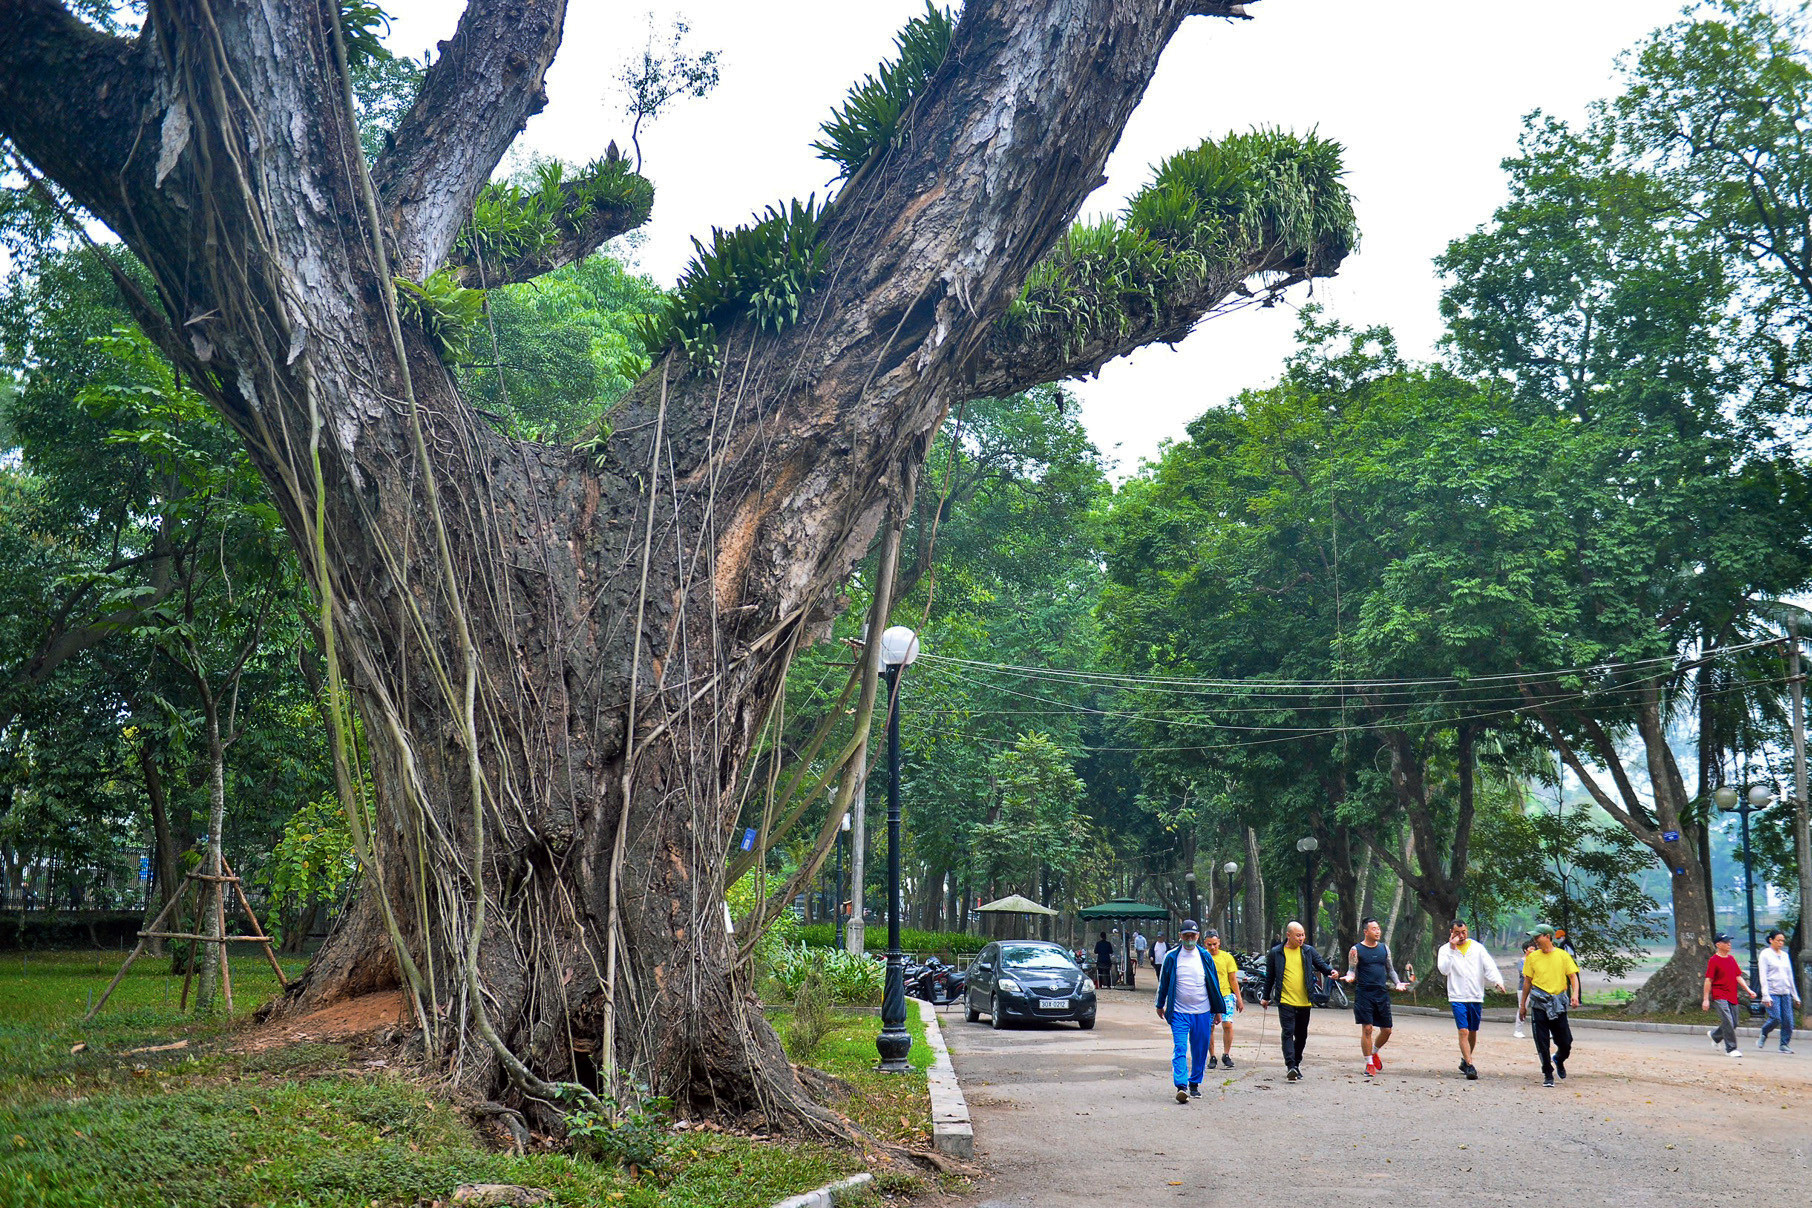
pixel 1550 985
pixel 1228 969
pixel 1287 972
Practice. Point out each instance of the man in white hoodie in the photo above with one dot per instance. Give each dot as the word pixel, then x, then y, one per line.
pixel 1468 969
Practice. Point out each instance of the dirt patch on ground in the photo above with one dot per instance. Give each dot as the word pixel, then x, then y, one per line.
pixel 345 1020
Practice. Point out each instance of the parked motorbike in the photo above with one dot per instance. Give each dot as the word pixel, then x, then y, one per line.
pixel 935 982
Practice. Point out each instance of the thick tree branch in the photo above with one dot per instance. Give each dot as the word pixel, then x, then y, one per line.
pixel 474 101
pixel 71 99
pixel 1012 362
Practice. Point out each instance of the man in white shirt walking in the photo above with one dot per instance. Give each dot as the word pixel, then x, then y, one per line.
pixel 1468 969
pixel 1780 993
pixel 1189 999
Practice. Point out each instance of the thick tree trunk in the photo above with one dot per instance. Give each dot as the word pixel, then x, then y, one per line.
pixel 1257 931
pixel 166 859
pixel 562 658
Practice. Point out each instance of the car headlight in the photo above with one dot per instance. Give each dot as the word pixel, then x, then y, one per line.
pixel 1010 985
pixel 1087 986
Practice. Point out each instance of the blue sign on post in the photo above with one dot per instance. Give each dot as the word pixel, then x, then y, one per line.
pixel 748 839
pixel 1670 836
pixel 144 868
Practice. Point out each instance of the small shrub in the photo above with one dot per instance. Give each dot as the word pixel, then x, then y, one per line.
pixel 811 1012
pixel 633 1137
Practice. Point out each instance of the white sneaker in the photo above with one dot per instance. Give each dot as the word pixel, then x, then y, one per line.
pixel 1736 1052
pixel 1711 1034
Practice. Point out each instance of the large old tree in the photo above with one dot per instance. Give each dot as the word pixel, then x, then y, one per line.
pixel 560 657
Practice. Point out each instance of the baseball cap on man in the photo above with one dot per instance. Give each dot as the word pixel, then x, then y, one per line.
pixel 1541 929
pixel 1722 937
pixel 1188 926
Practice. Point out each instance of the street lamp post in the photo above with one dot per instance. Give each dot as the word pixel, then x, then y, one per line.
pixel 1195 903
pixel 1308 845
pixel 1759 796
pixel 899 647
pixel 1230 868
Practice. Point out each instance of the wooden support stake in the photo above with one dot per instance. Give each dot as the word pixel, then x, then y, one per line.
pixel 269 953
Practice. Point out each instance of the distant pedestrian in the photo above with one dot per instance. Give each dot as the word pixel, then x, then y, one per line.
pixel 1563 943
pixel 1189 1000
pixel 1158 949
pixel 1104 961
pixel 1780 992
pixel 1723 978
pixel 1468 969
pixel 1550 984
pixel 1228 970
pixel 1135 956
pixel 1370 972
pixel 1288 969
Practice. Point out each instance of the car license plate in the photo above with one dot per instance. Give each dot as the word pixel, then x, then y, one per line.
pixel 1052 1004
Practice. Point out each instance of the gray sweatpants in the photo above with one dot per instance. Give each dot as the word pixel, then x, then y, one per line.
pixel 1727 1020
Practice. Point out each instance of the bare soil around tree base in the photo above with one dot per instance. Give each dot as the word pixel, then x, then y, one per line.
pixel 1066 1118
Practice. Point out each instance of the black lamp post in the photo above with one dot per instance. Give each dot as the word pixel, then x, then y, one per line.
pixel 1195 903
pixel 899 647
pixel 1230 868
pixel 1759 796
pixel 1308 845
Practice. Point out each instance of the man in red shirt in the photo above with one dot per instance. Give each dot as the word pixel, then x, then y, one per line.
pixel 1723 977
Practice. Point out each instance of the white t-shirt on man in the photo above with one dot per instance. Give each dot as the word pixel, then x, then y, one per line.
pixel 1191 989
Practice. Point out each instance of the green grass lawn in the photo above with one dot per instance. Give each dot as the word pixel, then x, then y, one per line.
pixel 85 1121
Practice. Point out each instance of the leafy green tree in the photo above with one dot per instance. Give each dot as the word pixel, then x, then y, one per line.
pixel 1685 509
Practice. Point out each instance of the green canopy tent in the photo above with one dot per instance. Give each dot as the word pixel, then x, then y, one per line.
pixel 1122 910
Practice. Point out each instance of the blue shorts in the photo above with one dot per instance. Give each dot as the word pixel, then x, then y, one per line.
pixel 1466 1015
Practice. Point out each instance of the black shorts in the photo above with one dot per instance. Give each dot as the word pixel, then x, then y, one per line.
pixel 1372 1005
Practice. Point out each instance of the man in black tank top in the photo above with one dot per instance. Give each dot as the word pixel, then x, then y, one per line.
pixel 1369 972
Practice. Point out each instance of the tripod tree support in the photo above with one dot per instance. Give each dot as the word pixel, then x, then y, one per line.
pixel 199 879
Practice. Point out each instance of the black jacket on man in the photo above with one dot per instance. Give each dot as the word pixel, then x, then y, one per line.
pixel 1274 963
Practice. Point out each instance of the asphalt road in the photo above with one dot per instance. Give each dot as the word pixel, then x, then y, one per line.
pixel 1064 1117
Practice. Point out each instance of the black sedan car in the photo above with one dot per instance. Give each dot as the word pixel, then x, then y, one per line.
pixel 1028 979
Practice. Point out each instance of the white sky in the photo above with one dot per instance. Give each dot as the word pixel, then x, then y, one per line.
pixel 1427 95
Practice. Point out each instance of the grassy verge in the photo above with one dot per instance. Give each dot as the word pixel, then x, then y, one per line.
pixel 86 1120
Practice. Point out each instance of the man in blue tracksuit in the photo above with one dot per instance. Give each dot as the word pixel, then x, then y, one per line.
pixel 1189 998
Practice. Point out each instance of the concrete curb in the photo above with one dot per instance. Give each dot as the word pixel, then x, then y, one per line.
pixel 951 1131
pixel 829 1194
pixel 1506 1015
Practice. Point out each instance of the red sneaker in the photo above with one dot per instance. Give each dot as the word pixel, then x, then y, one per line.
pixel 1377 1063
pixel 1372 1064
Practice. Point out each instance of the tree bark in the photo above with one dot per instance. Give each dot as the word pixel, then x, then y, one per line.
pixel 562 658
pixel 1257 933
pixel 167 859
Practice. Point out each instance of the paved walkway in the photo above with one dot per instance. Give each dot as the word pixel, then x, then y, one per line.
pixel 1068 1118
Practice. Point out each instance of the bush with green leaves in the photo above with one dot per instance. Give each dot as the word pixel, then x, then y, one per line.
pixel 912 940
pixel 811 1010
pixel 849 978
pixel 633 1136
pixel 313 861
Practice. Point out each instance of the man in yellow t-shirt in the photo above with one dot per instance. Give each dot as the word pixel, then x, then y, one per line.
pixel 1228 969
pixel 1287 971
pixel 1550 984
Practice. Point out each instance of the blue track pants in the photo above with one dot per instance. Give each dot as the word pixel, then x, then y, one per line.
pixel 1189 1037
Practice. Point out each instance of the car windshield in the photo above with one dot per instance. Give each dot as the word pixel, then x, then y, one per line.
pixel 1028 956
